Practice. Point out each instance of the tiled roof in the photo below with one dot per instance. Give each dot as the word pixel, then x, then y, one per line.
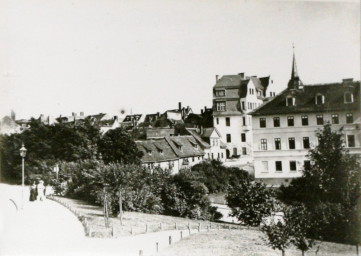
pixel 194 133
pixel 305 99
pixel 187 149
pixel 228 81
pixel 156 150
pixel 159 132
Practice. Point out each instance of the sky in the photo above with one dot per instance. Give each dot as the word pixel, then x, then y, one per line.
pixel 59 57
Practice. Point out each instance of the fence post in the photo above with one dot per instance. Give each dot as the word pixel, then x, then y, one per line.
pixel 207 228
pixel 188 226
pixel 160 226
pixel 181 233
pixel 112 231
pixel 170 240
pixel 218 227
pixel 210 225
pixel 140 252
pixel 146 228
pixel 229 227
pixel 131 230
pixel 199 227
pixel 156 246
pixel 175 226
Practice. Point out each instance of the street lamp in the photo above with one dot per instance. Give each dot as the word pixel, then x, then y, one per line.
pixel 22 154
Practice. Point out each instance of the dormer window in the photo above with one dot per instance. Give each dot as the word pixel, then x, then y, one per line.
pixel 348 97
pixel 290 101
pixel 319 99
pixel 220 93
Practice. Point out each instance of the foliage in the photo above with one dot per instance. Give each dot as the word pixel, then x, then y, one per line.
pixel 185 196
pixel 118 146
pixel 218 177
pixel 250 202
pixel 330 189
pixel 278 237
pixel 46 145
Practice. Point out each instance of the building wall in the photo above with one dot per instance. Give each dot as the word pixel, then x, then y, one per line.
pixel 299 154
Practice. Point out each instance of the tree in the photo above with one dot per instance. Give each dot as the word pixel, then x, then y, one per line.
pixel 185 196
pixel 278 237
pixel 118 146
pixel 298 222
pixel 216 176
pixel 250 202
pixel 329 189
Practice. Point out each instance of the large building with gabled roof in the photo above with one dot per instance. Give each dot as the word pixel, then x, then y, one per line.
pixel 284 129
pixel 234 96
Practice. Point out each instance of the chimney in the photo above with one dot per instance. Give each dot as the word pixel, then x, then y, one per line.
pixel 201 111
pixel 179 105
pixel 13 116
pixel 158 114
pixel 115 118
pixel 82 114
pixel 217 78
pixel 73 114
pixel 241 75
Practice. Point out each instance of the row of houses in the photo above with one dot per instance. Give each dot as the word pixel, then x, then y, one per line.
pixel 248 126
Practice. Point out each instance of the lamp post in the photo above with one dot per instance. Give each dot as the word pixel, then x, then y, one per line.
pixel 22 154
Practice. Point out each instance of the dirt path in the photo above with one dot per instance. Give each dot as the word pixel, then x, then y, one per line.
pixel 47 228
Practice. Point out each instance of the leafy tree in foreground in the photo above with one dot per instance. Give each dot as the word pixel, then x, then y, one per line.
pixel 278 237
pixel 330 189
pixel 250 202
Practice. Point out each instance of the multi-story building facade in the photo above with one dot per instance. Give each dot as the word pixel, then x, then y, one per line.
pixel 284 129
pixel 234 96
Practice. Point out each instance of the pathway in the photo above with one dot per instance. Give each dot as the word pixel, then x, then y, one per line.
pixel 47 228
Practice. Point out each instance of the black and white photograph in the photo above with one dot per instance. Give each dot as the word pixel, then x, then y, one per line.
pixel 180 128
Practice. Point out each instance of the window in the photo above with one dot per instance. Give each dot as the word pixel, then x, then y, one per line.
pixel 217 155
pixel 279 166
pixel 290 101
pixel 228 138
pixel 348 97
pixel 306 142
pixel 319 99
pixel 235 151
pixel 277 143
pixel 335 119
pixel 262 122
pixel 220 93
pixel 222 154
pixel 265 166
pixel 228 121
pixel 319 119
pixel 217 119
pixel 349 118
pixel 243 106
pixel 351 141
pixel 192 158
pixel 293 166
pixel 291 143
pixel 290 121
pixel 212 156
pixel 276 122
pixel 304 120
pixel 307 165
pixel 221 106
pixel 244 120
pixel 263 144
pixel 244 151
pixel 243 137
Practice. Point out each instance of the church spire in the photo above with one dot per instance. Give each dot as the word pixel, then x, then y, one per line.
pixel 295 81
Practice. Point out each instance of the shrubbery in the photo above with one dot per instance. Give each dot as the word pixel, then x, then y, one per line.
pixel 142 190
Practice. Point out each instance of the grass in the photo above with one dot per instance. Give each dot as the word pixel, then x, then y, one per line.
pixel 244 242
pixel 132 221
